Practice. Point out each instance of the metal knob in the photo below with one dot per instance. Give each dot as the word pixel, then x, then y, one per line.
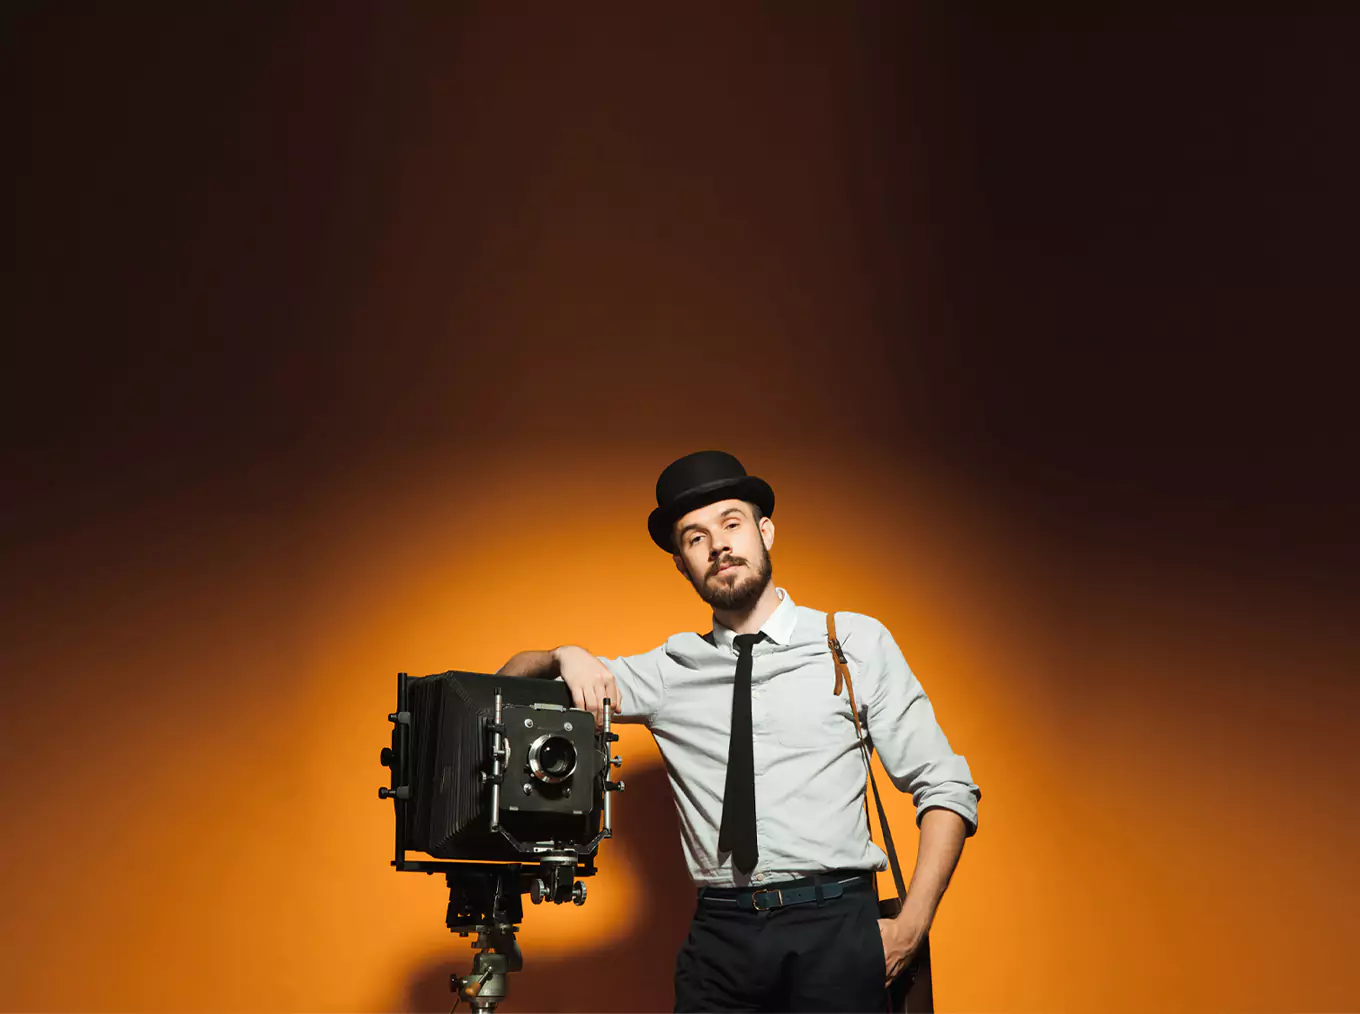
pixel 578 893
pixel 616 761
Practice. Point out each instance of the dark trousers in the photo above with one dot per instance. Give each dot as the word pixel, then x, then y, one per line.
pixel 817 956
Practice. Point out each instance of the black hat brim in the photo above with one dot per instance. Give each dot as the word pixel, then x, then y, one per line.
pixel 748 487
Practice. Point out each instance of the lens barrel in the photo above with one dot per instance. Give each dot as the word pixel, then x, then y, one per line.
pixel 552 758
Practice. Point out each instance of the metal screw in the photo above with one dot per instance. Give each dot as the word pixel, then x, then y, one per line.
pixel 528 788
pixel 528 723
pixel 567 726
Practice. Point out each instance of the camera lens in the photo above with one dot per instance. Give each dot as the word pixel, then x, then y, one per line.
pixel 552 758
pixel 558 757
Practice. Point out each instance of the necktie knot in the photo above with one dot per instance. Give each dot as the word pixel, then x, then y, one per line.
pixel 745 642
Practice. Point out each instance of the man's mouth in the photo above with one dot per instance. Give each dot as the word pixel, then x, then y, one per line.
pixel 726 566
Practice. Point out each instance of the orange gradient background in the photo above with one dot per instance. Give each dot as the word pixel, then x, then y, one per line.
pixel 352 341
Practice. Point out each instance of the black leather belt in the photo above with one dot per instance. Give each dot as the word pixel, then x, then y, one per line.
pixel 790 892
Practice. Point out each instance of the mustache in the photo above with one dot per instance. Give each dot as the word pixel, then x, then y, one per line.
pixel 725 561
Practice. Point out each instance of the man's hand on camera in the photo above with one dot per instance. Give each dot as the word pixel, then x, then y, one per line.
pixel 588 679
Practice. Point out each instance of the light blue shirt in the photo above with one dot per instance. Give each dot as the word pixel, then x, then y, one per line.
pixel 810 776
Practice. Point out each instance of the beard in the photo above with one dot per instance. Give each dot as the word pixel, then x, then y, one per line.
pixel 741 594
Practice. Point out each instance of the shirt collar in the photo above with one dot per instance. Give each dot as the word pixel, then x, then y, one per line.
pixel 778 627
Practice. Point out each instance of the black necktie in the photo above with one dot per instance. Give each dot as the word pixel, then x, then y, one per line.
pixel 738 832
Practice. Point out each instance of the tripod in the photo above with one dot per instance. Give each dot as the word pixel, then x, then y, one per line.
pixel 486 901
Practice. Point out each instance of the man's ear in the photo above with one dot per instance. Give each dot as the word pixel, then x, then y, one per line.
pixel 767 533
pixel 679 564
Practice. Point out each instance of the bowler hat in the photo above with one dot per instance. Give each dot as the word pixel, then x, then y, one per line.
pixel 697 480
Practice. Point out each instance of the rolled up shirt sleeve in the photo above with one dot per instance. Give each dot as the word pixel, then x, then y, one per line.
pixel 641 687
pixel 914 750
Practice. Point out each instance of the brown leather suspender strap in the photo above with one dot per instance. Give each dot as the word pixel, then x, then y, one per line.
pixel 843 676
pixel 912 990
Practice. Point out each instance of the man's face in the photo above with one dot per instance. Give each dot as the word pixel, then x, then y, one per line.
pixel 725 553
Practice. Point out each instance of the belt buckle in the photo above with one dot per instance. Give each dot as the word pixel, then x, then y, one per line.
pixel 756 905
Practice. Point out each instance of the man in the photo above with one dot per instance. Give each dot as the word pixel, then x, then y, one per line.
pixel 766 768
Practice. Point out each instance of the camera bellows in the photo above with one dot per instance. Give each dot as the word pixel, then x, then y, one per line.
pixel 448 751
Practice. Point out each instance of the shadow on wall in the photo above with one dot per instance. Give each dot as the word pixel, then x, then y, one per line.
pixel 634 974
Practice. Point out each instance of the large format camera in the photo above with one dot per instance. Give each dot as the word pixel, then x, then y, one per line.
pixel 506 786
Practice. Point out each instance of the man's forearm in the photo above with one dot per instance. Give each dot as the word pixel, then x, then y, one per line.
pixel 533 664
pixel 942 835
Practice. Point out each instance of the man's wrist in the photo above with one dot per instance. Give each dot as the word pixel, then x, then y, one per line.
pixel 915 919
